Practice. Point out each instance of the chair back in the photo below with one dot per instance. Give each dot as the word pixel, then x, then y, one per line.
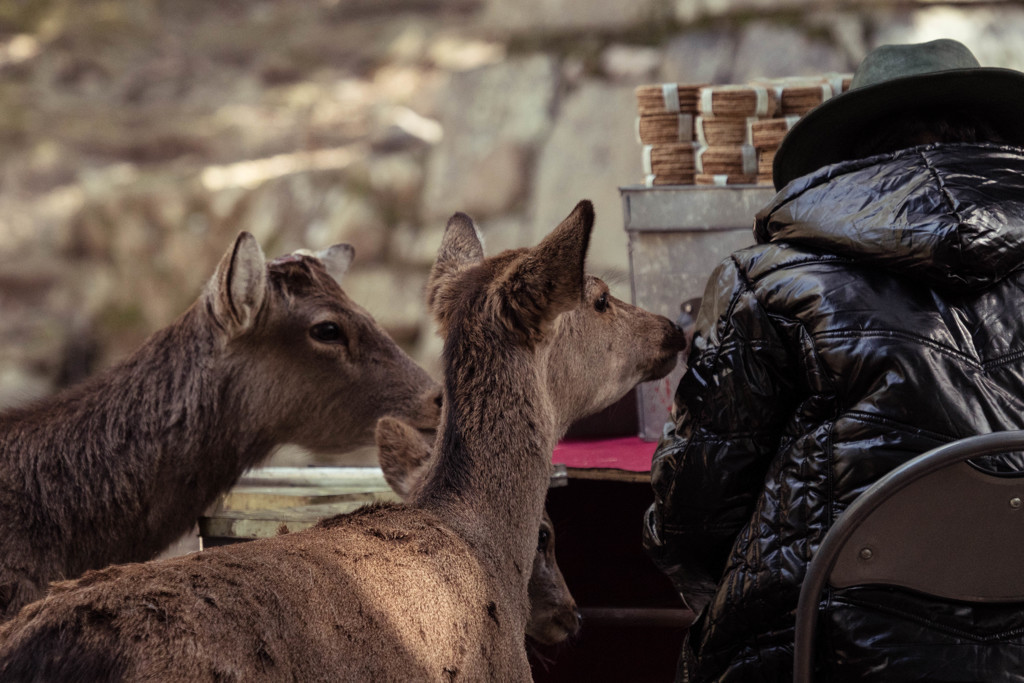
pixel 936 525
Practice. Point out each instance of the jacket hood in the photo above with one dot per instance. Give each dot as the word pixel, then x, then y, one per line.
pixel 952 214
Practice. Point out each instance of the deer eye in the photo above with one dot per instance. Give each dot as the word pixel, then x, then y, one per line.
pixel 543 537
pixel 601 303
pixel 327 332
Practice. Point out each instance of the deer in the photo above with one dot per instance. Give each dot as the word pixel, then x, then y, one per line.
pixel 116 468
pixel 434 589
pixel 554 617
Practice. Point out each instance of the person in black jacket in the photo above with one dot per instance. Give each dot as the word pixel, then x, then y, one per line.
pixel 879 315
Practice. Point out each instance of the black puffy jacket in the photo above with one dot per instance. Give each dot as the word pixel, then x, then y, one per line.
pixel 880 314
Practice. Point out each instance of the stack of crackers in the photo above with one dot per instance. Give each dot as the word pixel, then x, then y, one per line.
pixel 722 134
pixel 665 129
pixel 726 155
pixel 796 96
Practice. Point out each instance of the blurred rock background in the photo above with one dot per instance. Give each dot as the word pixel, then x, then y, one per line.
pixel 137 137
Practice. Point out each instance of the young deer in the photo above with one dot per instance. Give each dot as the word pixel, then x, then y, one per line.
pixel 433 590
pixel 404 454
pixel 117 468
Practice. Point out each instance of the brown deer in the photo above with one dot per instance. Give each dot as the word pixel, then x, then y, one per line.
pixel 433 590
pixel 117 468
pixel 404 455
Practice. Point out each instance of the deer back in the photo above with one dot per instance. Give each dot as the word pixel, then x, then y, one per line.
pixel 386 593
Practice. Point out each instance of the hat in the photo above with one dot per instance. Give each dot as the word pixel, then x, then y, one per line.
pixel 893 79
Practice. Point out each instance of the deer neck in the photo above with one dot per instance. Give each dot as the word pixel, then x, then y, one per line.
pixel 140 433
pixel 491 468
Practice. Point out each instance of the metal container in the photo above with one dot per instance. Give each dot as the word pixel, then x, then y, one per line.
pixel 678 234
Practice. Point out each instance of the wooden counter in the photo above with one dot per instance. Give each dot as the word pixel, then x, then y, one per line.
pixel 278 500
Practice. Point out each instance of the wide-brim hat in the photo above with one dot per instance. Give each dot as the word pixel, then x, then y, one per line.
pixel 892 79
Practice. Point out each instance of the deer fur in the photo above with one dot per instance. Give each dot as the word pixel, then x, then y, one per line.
pixel 432 590
pixel 404 454
pixel 117 468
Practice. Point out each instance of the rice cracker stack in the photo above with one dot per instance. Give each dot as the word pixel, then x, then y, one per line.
pixel 765 161
pixel 723 128
pixel 765 133
pixel 800 96
pixel 766 136
pixel 723 131
pixel 667 98
pixel 723 134
pixel 795 97
pixel 664 128
pixel 669 164
pixel 666 112
pixel 739 101
pixel 731 165
pixel 654 129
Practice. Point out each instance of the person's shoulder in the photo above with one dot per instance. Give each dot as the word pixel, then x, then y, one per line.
pixel 761 261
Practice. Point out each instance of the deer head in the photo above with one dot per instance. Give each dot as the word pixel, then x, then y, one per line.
pixel 290 322
pixel 599 347
pixel 604 347
pixel 554 617
pixel 526 288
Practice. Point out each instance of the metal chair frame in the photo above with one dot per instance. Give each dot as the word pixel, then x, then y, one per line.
pixel 901 531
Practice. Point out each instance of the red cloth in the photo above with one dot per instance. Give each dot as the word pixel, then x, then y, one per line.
pixel 629 453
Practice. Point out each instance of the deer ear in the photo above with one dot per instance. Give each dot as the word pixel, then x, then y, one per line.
pixel 336 259
pixel 460 248
pixel 549 280
pixel 403 454
pixel 239 286
pixel 461 245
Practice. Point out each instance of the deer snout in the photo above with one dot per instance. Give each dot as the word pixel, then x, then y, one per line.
pixel 570 621
pixel 432 402
pixel 554 625
pixel 422 411
pixel 674 340
pixel 426 414
pixel 678 338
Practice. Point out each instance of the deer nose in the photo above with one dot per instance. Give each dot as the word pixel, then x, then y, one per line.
pixel 433 402
pixel 677 338
pixel 425 412
pixel 436 397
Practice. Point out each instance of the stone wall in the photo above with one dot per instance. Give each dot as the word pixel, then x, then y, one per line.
pixel 139 136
